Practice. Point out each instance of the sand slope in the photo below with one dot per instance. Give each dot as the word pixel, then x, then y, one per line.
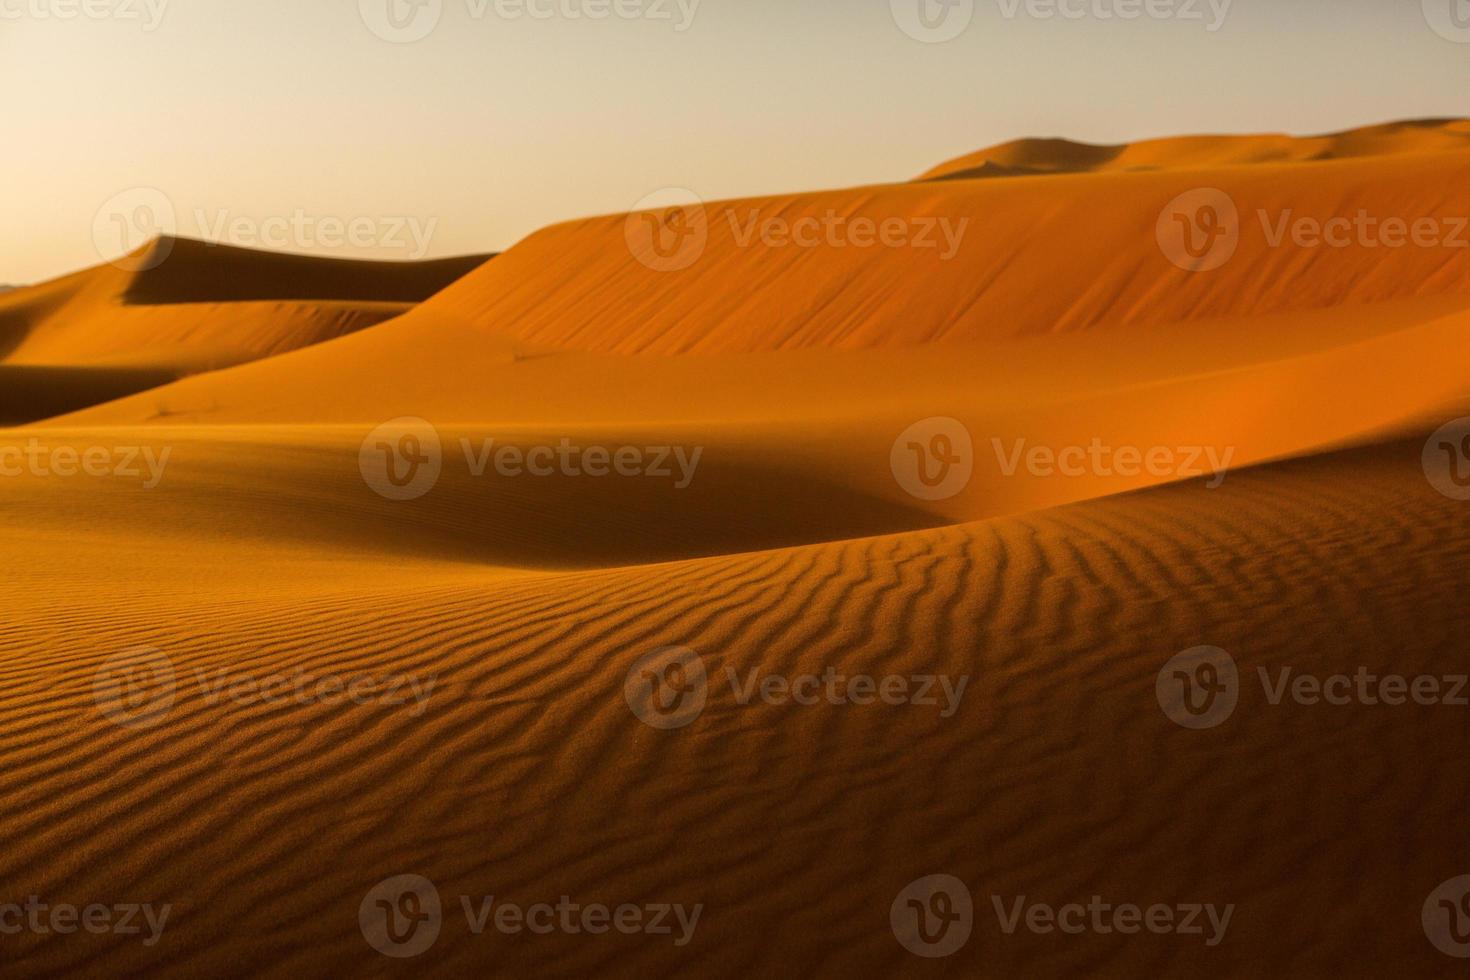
pixel 528 777
pixel 178 307
pixel 526 601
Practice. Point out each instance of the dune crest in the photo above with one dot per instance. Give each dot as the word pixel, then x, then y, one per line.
pixel 177 306
pixel 1036 157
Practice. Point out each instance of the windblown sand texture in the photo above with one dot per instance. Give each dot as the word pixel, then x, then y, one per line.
pixel 1059 319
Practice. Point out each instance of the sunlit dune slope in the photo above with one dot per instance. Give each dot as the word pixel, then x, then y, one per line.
pixel 525 776
pixel 1259 390
pixel 177 307
pixel 995 260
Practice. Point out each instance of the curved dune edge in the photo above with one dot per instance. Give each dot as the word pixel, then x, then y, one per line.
pixel 1037 157
pixel 177 307
pixel 998 259
pixel 527 777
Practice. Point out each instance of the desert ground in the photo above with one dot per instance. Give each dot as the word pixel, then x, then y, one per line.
pixel 901 456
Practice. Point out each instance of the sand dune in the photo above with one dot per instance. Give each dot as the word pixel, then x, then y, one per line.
pixel 528 778
pixel 110 331
pixel 1034 157
pixel 252 544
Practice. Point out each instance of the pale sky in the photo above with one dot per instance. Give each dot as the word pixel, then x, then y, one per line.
pixel 285 116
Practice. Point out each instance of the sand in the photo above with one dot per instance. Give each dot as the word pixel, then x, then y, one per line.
pixel 797 547
pixel 178 307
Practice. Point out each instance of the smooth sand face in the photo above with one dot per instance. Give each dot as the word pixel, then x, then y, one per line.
pixel 880 462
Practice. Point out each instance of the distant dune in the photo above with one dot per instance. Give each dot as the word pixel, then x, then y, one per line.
pixel 1036 157
pixel 109 331
pixel 1303 380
